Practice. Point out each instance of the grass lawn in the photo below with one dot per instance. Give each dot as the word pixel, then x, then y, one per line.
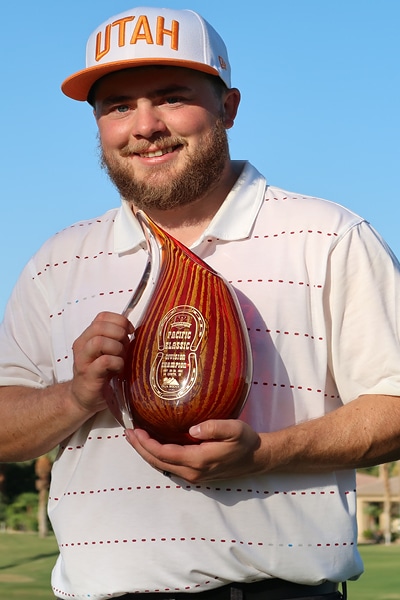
pixel 25 566
pixel 26 562
pixel 381 579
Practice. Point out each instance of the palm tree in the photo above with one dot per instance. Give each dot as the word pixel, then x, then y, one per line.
pixel 43 470
pixel 385 470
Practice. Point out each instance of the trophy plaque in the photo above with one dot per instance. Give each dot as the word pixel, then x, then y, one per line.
pixel 189 358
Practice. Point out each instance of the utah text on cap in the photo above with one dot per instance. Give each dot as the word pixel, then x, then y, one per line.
pixel 141 32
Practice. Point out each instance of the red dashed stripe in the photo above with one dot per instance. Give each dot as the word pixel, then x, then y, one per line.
pixel 79 300
pixel 145 488
pixel 279 331
pixel 301 231
pixel 66 357
pixel 158 590
pixel 295 387
pixel 195 539
pixel 66 262
pixel 88 223
pixel 282 281
pixel 285 198
pixel 91 438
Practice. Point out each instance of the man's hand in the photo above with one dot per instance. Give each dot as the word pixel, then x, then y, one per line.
pixel 99 354
pixel 359 434
pixel 227 449
pixel 49 415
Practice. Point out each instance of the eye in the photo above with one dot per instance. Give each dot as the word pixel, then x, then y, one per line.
pixel 173 100
pixel 122 108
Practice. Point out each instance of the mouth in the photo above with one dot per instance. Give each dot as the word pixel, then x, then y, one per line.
pixel 159 152
pixel 147 149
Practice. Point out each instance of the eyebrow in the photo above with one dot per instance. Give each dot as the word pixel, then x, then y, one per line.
pixel 171 89
pixel 115 100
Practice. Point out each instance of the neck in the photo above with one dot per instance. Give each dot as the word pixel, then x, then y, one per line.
pixel 186 223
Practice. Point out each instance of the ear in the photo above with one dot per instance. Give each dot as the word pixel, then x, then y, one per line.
pixel 230 107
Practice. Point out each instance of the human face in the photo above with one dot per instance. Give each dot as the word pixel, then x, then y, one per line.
pixel 162 134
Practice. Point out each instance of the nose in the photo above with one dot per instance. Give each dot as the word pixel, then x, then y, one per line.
pixel 147 121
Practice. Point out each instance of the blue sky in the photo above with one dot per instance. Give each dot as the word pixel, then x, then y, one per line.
pixel 320 109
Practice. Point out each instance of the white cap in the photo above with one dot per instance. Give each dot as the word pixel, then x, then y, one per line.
pixel 146 36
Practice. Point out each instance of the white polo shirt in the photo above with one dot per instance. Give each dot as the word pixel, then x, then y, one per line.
pixel 320 294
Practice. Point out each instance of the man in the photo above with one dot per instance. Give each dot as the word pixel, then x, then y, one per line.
pixel 264 505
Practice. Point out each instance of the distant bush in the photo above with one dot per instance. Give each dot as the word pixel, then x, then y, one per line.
pixel 3 507
pixel 22 514
pixel 368 534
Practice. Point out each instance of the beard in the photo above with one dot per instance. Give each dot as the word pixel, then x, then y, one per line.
pixel 166 187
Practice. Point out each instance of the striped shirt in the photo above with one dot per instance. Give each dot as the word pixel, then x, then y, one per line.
pixel 320 294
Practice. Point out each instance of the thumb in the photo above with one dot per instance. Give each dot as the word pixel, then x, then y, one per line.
pixel 213 430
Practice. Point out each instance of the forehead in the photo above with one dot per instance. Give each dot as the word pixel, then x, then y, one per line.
pixel 146 80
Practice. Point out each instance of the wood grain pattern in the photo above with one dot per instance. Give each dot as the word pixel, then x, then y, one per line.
pixel 190 358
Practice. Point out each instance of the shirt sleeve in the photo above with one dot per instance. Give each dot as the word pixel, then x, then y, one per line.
pixel 363 294
pixel 25 336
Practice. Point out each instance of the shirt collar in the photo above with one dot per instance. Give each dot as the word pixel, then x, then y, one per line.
pixel 128 234
pixel 235 218
pixel 233 221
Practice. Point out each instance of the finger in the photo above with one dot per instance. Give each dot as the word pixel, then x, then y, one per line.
pixel 148 446
pixel 104 346
pixel 193 463
pixel 118 329
pixel 138 439
pixel 213 429
pixel 102 337
pixel 160 456
pixel 115 318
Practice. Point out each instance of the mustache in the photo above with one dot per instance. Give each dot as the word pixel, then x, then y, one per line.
pixel 143 146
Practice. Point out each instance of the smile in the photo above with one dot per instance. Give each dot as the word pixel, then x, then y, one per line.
pixel 156 153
